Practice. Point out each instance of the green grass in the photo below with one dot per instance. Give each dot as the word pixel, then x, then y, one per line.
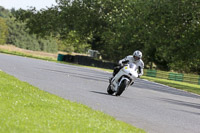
pixel 176 84
pixel 26 55
pixel 25 108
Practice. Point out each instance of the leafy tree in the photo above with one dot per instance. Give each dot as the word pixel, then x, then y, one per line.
pixel 3 31
pixel 13 32
pixel 166 31
pixel 173 34
pixel 4 13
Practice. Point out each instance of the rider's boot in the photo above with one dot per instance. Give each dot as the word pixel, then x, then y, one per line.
pixel 132 83
pixel 110 79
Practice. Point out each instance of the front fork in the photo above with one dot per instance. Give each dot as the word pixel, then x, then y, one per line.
pixel 116 86
pixel 123 78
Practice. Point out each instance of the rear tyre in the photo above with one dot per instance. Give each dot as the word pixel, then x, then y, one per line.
pixel 121 87
pixel 109 90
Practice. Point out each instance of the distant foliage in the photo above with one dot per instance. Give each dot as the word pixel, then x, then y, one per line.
pixel 18 36
pixel 13 32
pixel 3 31
pixel 4 13
pixel 74 43
pixel 166 31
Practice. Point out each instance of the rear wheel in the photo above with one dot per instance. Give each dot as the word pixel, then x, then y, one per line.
pixel 109 90
pixel 122 87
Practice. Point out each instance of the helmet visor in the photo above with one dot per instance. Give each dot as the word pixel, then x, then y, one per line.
pixel 136 58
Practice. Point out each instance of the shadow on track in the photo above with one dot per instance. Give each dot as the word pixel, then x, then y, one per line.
pixel 103 93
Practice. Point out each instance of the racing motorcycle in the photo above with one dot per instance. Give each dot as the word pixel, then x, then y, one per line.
pixel 124 78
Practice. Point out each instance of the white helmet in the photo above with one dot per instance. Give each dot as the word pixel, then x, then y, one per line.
pixel 137 55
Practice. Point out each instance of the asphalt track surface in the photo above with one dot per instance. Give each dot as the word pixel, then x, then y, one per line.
pixel 153 107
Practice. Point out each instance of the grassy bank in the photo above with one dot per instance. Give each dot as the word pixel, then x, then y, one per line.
pixel 30 55
pixel 24 108
pixel 176 84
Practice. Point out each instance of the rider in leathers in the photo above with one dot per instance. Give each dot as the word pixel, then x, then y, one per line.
pixel 136 58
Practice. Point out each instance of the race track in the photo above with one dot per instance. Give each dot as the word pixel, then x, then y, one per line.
pixel 153 107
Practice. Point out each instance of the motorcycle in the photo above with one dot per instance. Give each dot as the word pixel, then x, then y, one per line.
pixel 124 78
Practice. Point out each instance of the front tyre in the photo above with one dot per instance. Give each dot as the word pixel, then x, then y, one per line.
pixel 122 87
pixel 109 90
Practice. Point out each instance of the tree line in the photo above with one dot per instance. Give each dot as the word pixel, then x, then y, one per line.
pixel 18 34
pixel 166 31
pixel 15 33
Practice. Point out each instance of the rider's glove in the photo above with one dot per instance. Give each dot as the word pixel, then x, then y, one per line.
pixel 125 62
pixel 120 64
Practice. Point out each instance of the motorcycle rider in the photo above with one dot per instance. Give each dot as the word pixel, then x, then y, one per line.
pixel 136 58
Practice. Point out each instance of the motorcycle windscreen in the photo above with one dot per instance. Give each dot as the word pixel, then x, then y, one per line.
pixel 133 71
pixel 133 66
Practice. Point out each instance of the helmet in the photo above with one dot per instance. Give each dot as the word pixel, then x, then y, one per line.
pixel 137 55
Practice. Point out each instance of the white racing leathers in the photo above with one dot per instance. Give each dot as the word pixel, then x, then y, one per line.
pixel 139 63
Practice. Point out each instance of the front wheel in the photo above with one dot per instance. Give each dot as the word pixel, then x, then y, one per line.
pixel 122 87
pixel 109 90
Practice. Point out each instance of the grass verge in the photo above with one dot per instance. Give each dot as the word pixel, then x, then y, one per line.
pixel 25 108
pixel 176 84
pixel 27 55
